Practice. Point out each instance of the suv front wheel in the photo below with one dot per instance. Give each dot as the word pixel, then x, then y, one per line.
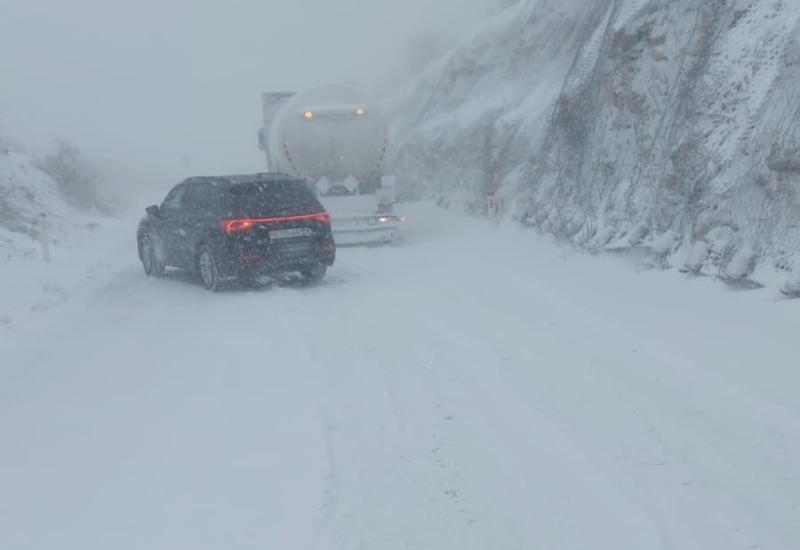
pixel 153 266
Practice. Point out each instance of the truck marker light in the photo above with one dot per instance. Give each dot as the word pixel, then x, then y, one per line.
pixel 391 219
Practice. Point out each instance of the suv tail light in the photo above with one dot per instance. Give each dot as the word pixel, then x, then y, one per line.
pixel 236 226
pixel 246 224
pixel 323 217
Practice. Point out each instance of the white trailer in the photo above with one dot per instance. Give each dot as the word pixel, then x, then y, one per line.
pixel 335 138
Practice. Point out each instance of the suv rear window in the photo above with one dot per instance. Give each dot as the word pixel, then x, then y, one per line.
pixel 275 198
pixel 206 198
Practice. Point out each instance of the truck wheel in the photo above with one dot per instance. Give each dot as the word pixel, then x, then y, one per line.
pixel 208 269
pixel 314 274
pixel 153 266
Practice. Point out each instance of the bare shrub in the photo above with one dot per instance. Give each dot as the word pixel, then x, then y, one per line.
pixel 74 174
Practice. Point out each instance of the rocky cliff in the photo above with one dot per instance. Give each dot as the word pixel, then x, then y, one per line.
pixel 668 125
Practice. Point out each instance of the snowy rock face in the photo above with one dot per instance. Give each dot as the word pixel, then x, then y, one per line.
pixel 481 112
pixel 623 123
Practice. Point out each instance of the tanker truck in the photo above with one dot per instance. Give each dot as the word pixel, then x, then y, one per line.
pixel 335 139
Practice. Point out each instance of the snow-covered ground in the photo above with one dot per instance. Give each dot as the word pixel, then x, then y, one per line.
pixel 476 387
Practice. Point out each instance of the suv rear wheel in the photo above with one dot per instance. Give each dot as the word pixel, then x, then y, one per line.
pixel 208 269
pixel 313 274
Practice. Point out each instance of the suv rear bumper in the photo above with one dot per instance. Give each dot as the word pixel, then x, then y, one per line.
pixel 272 260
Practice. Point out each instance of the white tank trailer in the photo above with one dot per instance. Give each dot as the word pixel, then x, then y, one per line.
pixel 334 138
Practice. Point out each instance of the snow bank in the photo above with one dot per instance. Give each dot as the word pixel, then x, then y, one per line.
pixel 628 123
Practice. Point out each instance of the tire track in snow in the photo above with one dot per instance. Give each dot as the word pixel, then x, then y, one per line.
pixel 397 406
pixel 649 429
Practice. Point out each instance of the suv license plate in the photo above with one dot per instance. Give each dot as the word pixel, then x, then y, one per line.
pixel 290 233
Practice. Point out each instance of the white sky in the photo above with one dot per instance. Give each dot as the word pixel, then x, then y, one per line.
pixel 175 84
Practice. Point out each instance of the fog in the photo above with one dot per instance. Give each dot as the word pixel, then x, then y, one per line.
pixel 173 87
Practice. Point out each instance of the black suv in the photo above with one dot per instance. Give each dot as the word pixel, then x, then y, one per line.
pixel 242 227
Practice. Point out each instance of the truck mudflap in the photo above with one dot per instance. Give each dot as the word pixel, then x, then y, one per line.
pixel 362 220
pixel 365 229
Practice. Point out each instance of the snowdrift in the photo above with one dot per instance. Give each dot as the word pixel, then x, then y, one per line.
pixel 672 126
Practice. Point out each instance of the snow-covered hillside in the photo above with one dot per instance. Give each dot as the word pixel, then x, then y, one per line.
pixel 29 198
pixel 668 125
pixel 47 246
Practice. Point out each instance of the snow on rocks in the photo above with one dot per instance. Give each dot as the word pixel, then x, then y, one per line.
pixel 682 116
pixel 792 285
pixel 697 256
pixel 742 264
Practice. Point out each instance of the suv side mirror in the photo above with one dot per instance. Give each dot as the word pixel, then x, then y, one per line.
pixel 153 211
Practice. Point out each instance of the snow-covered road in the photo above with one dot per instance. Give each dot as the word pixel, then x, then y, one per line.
pixel 477 387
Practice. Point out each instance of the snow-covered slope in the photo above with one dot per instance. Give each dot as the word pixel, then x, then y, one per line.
pixel 669 125
pixel 29 198
pixel 34 277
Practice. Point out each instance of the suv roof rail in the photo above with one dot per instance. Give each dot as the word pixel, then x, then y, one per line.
pixel 273 175
pixel 241 178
